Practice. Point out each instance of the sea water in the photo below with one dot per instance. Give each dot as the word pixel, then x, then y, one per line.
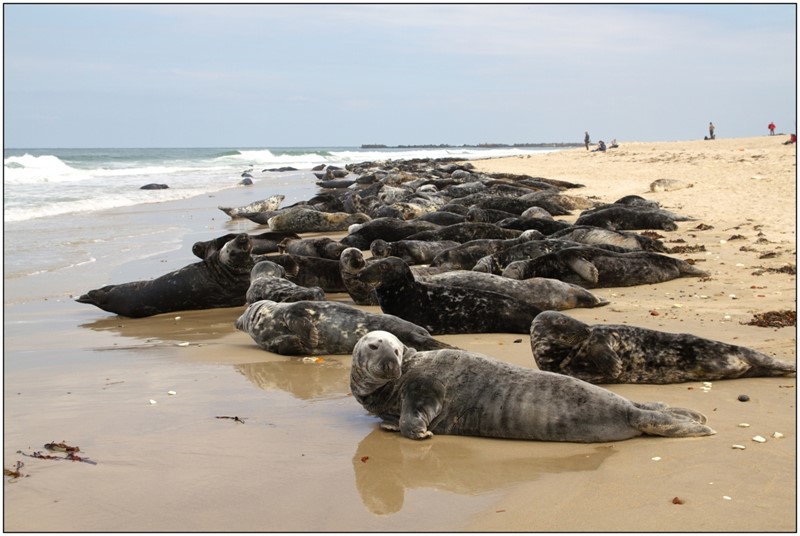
pixel 67 209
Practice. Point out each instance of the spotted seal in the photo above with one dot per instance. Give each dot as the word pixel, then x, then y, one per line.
pixel 464 232
pixel 542 292
pixel 388 229
pixel 318 246
pixel 464 393
pixel 351 262
pixel 587 234
pixel 626 218
pixel 270 203
pixel 441 309
pixel 262 243
pixel 220 280
pixel 592 267
pixel 498 261
pixel 607 353
pixel 411 251
pixel 305 220
pixel 464 256
pixel 322 327
pixel 310 271
pixel 268 282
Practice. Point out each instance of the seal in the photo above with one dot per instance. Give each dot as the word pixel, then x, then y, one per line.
pixel 464 232
pixel 456 392
pixel 310 271
pixel 592 267
pixel 607 353
pixel 587 234
pixel 441 309
pixel 498 261
pixel 626 218
pixel 388 229
pixel 411 251
pixel 262 243
pixel 270 203
pixel 268 282
pixel 351 262
pixel 305 220
pixel 220 280
pixel 542 292
pixel 320 246
pixel 322 327
pixel 466 255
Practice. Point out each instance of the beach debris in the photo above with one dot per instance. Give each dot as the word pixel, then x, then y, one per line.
pixel 738 447
pixel 177 318
pixel 70 453
pixel 743 398
pixel 706 387
pixel 14 473
pixel 656 458
pixel 677 500
pixel 152 402
pixel 777 435
pixel 182 344
pixel 704 227
pixel 727 498
pixel 759 439
pixel 313 360
pixel 234 418
pixel 364 459
pixel 61 447
pixel 171 393
pixel 773 319
pixel 744 425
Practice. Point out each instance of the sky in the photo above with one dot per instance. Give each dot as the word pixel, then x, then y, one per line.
pixel 303 75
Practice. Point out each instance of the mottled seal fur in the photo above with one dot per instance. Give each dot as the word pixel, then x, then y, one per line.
pixel 270 203
pixel 351 262
pixel 261 243
pixel 220 280
pixel 464 393
pixel 587 234
pixel 464 232
pixel 607 353
pixel 542 292
pixel 268 282
pixel 411 251
pixel 464 256
pixel 305 220
pixel 322 327
pixel 627 218
pixel 592 267
pixel 496 262
pixel 318 246
pixel 441 309
pixel 310 271
pixel 389 229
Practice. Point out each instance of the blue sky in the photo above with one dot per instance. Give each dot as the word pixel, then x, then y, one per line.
pixel 342 75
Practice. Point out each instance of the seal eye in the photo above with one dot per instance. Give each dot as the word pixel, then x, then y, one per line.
pixel 373 346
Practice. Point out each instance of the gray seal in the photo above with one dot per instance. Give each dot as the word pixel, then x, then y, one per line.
pixel 318 246
pixel 220 280
pixel 268 282
pixel 264 205
pixel 630 217
pixel 411 251
pixel 351 262
pixel 542 292
pixel 322 327
pixel 304 220
pixel 592 236
pixel 607 353
pixel 310 271
pixel 262 243
pixel 464 232
pixel 596 268
pixel 464 393
pixel 441 309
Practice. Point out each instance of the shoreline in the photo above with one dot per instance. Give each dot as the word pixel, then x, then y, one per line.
pixel 78 374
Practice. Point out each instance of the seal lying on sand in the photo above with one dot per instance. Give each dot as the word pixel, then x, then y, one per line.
pixel 304 220
pixel 262 243
pixel 310 271
pixel 317 327
pixel 220 280
pixel 586 234
pixel 441 309
pixel 268 282
pixel 594 268
pixel 608 353
pixel 463 393
pixel 351 262
pixel 264 205
pixel 411 251
pixel 542 292
pixel 320 246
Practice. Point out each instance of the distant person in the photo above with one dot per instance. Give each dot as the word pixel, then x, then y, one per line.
pixel 711 131
pixel 613 144
pixel 601 146
pixel 792 139
pixel 587 140
pixel 771 128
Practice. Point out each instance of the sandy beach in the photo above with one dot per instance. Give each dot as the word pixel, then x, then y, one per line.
pixel 303 455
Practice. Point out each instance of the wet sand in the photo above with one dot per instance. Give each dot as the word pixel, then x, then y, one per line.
pixel 308 458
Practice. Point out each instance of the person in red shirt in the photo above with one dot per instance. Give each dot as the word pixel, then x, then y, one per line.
pixel 771 128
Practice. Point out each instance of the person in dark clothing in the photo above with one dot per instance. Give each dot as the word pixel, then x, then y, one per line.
pixel 586 140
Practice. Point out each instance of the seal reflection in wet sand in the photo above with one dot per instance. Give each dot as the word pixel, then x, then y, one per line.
pixel 463 393
pixel 609 353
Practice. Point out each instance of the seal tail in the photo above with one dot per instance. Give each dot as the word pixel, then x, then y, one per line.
pixel 670 422
pixel 764 365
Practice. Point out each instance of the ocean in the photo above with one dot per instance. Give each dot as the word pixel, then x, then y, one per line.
pixel 84 209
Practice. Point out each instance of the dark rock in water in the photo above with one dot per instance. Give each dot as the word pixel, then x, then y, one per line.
pixel 247 181
pixel 154 186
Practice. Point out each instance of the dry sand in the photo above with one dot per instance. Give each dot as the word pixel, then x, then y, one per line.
pixel 308 458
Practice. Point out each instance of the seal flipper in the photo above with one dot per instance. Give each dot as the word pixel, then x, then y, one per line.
pixel 598 353
pixel 302 326
pixel 585 269
pixel 422 403
pixel 288 345
pixel 668 422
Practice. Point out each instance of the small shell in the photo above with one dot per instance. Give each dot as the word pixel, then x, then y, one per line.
pixel 656 458
pixel 177 318
pixel 676 305
pixel 183 344
pixel 153 401
pixel 171 393
pixel 727 498
pixel 744 425
pixel 777 435
pixel 739 447
pixel 759 439
pixel 707 384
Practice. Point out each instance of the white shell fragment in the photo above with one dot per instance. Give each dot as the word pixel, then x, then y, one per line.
pixel 153 401
pixel 744 425
pixel 177 318
pixel 656 458
pixel 739 447
pixel 171 393
pixel 727 498
pixel 183 344
pixel 777 435
pixel 759 439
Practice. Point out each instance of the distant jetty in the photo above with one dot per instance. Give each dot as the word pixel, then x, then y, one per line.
pixel 468 146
